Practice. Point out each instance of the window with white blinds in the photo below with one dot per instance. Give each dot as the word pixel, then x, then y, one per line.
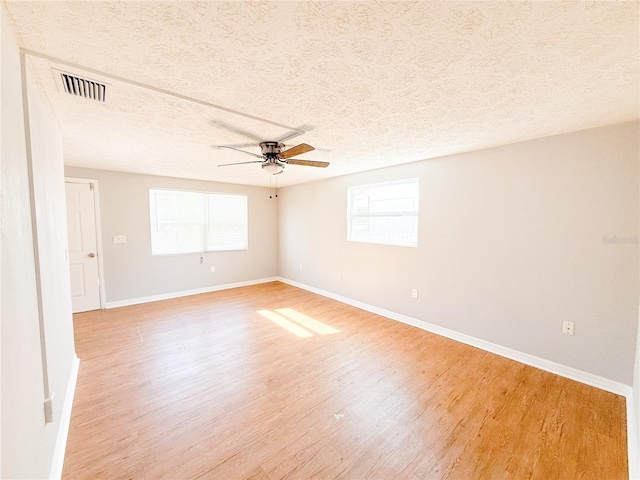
pixel 385 213
pixel 195 222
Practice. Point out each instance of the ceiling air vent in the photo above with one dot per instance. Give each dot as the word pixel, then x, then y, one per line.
pixel 83 87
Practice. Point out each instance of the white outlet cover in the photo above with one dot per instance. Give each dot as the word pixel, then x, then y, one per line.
pixel 568 328
pixel 119 239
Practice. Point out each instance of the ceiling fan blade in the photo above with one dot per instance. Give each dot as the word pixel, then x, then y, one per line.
pixel 308 163
pixel 231 128
pixel 297 150
pixel 238 150
pixel 242 145
pixel 288 136
pixel 239 163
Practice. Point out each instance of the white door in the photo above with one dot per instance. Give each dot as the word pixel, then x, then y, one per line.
pixel 83 255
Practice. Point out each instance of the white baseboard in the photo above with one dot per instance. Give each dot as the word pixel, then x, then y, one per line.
pixel 186 293
pixel 633 442
pixel 541 363
pixel 65 422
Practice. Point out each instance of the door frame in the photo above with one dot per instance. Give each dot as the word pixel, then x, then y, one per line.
pixel 96 210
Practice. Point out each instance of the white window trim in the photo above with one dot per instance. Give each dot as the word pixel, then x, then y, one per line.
pixel 202 192
pixel 351 215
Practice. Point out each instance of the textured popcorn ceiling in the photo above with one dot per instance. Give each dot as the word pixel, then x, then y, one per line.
pixel 371 83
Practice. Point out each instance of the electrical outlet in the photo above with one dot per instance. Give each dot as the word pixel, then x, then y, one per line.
pixel 414 293
pixel 119 239
pixel 567 328
pixel 300 267
pixel 213 269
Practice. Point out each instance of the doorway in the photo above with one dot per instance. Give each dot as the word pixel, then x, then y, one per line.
pixel 85 252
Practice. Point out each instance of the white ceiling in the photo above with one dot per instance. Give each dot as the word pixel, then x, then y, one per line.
pixel 371 84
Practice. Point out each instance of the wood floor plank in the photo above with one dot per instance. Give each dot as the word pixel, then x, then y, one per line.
pixel 208 387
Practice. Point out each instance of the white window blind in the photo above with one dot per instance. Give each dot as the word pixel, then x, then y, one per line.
pixel 194 222
pixel 385 213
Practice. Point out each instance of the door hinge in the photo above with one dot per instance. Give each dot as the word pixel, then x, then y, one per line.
pixel 91 186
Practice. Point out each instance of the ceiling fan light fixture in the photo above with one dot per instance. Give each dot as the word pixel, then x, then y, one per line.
pixel 273 168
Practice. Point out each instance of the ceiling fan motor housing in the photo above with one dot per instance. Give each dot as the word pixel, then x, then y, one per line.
pixel 273 148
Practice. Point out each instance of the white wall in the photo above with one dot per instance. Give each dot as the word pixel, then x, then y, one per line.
pixel 52 258
pixel 130 269
pixel 634 415
pixel 27 443
pixel 510 246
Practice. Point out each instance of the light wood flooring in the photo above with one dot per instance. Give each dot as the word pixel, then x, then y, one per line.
pixel 207 387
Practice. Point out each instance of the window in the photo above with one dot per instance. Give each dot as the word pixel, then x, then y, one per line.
pixel 384 213
pixel 194 222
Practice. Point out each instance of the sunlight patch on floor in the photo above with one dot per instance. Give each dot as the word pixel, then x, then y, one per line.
pixel 306 321
pixel 286 324
pixel 297 323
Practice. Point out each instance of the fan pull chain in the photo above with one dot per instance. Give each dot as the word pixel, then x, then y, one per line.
pixel 271 195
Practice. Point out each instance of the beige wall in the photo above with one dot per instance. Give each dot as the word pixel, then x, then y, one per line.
pixel 510 246
pixel 130 269
pixel 27 443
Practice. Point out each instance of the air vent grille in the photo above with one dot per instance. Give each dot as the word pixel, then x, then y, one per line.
pixel 83 87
